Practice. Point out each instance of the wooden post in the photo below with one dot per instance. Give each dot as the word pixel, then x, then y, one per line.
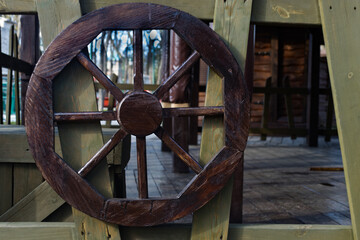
pixel 29 50
pixel 231 22
pixel 194 102
pixel 313 85
pixel 9 77
pixel 179 52
pixel 288 105
pixel 266 110
pixel 341 35
pixel 237 194
pixel 16 83
pixel 54 16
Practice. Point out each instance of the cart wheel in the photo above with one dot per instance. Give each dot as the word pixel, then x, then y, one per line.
pixel 139 113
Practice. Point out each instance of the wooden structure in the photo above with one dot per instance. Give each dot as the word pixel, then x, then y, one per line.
pixel 231 21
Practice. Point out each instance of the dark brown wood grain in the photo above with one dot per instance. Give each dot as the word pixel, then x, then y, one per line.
pixel 83 116
pixel 181 153
pixel 138 61
pixel 142 169
pixel 193 111
pixel 103 152
pixel 140 113
pixel 175 76
pixel 137 110
pixel 100 76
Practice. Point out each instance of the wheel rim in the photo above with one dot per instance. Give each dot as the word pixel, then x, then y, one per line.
pixel 71 185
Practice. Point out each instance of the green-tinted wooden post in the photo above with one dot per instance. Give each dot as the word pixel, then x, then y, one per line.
pixel 232 23
pixel 341 34
pixel 74 91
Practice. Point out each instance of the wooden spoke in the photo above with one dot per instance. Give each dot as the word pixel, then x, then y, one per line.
pixel 100 76
pixel 183 155
pixel 138 61
pixel 173 78
pixel 102 153
pixel 192 111
pixel 142 169
pixel 81 116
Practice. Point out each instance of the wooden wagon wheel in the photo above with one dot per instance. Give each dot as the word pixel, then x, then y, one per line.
pixel 139 113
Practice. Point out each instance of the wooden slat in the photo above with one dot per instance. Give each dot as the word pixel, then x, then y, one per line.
pixel 343 55
pixel 212 220
pixel 54 16
pixel 6 183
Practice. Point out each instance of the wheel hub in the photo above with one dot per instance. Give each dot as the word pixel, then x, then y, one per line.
pixel 140 113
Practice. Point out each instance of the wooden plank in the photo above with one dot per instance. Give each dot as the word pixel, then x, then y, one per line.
pixel 14 147
pixel 32 231
pixel 6 182
pixel 286 11
pixel 264 11
pixel 203 9
pixel 232 22
pixel 37 231
pixel 54 16
pixel 17 6
pixel 26 178
pixel 343 56
pixel 262 231
pixel 248 232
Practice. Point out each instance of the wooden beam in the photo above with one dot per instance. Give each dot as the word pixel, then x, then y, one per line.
pixel 203 9
pixel 341 35
pixel 264 11
pixel 15 64
pixel 17 6
pixel 54 16
pixel 286 12
pixel 65 231
pixel 36 206
pixel 38 231
pixel 232 23
pixel 248 232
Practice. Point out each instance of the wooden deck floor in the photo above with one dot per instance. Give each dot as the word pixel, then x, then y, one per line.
pixel 279 186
